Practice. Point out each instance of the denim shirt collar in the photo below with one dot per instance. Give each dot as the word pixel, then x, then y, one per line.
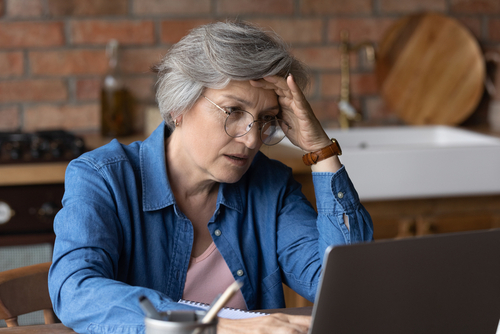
pixel 156 191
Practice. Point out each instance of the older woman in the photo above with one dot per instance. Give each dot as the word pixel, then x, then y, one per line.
pixel 196 206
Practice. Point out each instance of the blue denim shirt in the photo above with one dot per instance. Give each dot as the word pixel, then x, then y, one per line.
pixel 121 235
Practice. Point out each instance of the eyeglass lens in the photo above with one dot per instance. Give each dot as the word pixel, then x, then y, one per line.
pixel 239 123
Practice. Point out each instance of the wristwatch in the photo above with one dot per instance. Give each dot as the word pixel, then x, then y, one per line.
pixel 314 157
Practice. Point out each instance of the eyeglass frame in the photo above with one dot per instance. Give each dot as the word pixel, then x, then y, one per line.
pixel 228 113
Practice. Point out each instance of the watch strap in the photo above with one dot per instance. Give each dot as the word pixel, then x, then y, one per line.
pixel 329 151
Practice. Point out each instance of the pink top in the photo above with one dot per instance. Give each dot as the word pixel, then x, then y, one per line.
pixel 208 275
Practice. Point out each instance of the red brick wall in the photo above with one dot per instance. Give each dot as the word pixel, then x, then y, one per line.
pixel 52 52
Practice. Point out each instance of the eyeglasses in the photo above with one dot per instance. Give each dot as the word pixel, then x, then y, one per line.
pixel 239 122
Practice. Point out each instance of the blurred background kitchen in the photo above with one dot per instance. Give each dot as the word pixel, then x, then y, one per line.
pixel 56 54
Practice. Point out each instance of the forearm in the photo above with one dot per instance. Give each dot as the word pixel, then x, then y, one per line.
pixel 85 297
pixel 304 235
pixel 331 165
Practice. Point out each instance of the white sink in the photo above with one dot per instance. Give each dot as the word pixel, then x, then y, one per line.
pixel 419 161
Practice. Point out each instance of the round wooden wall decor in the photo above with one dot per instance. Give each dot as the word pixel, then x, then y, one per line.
pixel 430 69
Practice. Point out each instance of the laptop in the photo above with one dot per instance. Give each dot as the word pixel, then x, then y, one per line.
pixel 435 284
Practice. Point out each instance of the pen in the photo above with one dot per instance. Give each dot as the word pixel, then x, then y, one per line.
pixel 221 301
pixel 148 308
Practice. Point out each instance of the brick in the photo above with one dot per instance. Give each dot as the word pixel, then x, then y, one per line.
pixel 291 30
pixel 364 84
pixel 330 85
pixel 88 89
pixel 268 7
pixel 141 88
pixel 326 111
pixel 475 6
pixel 411 6
pixel 326 7
pixel 494 30
pixel 141 60
pixel 31 34
pixel 172 31
pixel 11 64
pixel 171 7
pixel 311 91
pixel 9 118
pixel 101 31
pixel 68 117
pixel 360 29
pixel 66 62
pixel 360 84
pixel 86 8
pixel 24 8
pixel 303 31
pixel 322 58
pixel 32 90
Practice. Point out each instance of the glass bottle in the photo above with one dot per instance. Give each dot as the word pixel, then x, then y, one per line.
pixel 116 101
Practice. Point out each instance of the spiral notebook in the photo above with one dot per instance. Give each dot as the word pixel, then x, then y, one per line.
pixel 226 312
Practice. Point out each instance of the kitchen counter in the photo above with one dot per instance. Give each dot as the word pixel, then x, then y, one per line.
pixel 53 172
pixel 12 174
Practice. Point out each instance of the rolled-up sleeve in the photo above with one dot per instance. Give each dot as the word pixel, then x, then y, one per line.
pixel 304 235
pixel 336 199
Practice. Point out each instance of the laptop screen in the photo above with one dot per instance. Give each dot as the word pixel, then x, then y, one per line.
pixel 434 284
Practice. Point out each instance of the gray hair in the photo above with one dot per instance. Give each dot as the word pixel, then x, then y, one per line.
pixel 212 55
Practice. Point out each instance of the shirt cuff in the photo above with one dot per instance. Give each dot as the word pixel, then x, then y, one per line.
pixel 335 192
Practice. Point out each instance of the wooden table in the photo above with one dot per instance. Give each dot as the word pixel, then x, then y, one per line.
pixel 61 329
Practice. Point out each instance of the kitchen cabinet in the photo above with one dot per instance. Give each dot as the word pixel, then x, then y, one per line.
pixel 31 193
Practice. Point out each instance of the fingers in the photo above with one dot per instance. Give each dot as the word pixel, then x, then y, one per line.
pixel 287 90
pixel 278 84
pixel 299 320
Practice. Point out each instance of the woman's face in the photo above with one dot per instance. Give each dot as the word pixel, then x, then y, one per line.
pixel 208 151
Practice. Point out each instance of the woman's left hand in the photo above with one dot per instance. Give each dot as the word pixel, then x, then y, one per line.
pixel 306 131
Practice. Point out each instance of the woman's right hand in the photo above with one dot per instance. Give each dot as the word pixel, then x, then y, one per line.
pixel 277 323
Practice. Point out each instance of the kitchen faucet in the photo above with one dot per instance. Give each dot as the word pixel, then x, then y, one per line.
pixel 347 112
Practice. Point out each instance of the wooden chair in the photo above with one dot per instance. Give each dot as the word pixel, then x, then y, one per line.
pixel 24 290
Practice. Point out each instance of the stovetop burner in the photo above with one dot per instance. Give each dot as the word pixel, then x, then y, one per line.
pixel 40 146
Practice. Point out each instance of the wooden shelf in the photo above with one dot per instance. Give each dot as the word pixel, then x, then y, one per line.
pixel 31 174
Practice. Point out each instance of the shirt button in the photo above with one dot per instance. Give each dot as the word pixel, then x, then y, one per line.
pixel 239 273
pixel 217 232
pixel 340 194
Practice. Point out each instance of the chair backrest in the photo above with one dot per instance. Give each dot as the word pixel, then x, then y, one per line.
pixel 24 290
